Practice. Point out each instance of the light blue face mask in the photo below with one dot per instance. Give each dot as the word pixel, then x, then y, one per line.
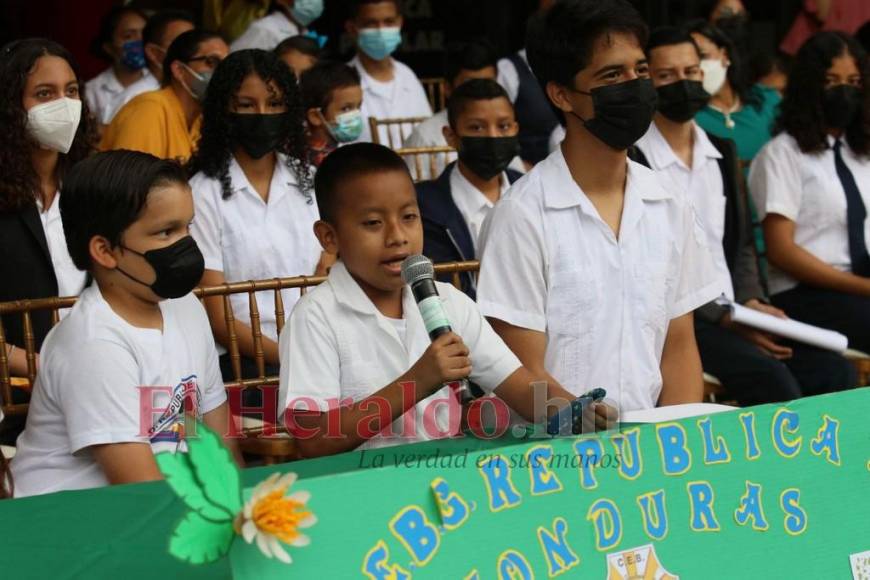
pixel 306 11
pixel 347 127
pixel 379 43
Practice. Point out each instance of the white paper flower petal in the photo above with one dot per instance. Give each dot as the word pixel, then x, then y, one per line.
pixel 264 544
pixel 248 510
pixel 287 480
pixel 300 541
pixel 249 531
pixel 309 521
pixel 279 551
pixel 300 496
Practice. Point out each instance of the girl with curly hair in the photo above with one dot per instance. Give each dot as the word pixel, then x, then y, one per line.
pixel 811 184
pixel 47 128
pixel 253 194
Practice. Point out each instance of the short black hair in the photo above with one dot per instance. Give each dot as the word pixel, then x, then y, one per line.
pixel 299 43
pixel 473 55
pixel 108 25
pixel 350 162
pixel 669 36
pixel 156 26
pixel 473 90
pixel 355 5
pixel 318 83
pixel 184 48
pixel 105 193
pixel 559 41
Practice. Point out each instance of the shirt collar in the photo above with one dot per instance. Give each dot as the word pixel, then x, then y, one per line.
pixel 662 156
pixel 349 293
pixel 561 191
pixel 473 198
pixel 367 83
pixel 281 176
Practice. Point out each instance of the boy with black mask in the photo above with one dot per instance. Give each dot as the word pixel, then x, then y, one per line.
pixel 590 268
pixel 483 129
pixel 754 367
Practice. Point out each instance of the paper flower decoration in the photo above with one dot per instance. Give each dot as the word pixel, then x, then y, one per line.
pixel 272 517
pixel 209 483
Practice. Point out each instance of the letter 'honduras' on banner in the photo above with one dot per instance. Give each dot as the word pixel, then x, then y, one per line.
pixel 776 491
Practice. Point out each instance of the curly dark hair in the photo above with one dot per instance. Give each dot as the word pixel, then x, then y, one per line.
pixel 801 112
pixel 215 147
pixel 19 184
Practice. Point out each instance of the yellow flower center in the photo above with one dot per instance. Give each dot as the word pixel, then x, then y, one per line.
pixel 279 515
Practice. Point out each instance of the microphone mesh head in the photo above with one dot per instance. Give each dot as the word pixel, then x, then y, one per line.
pixel 416 268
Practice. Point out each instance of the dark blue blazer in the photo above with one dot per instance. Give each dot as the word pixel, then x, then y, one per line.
pixel 446 237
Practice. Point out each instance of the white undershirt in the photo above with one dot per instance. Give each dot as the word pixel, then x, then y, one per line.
pixel 70 280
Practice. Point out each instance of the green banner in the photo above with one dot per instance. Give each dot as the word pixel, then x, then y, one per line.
pixel 777 491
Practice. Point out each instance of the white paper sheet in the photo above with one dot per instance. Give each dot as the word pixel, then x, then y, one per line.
pixel 788 328
pixel 673 412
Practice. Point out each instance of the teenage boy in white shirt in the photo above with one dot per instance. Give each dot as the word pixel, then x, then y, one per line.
pixel 352 342
pixel 135 354
pixel 590 270
pixel 391 90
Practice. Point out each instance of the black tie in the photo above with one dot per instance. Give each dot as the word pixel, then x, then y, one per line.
pixel 856 213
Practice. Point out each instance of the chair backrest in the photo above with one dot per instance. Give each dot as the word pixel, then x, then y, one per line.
pixel 435 92
pixel 394 132
pixel 427 162
pixel 276 285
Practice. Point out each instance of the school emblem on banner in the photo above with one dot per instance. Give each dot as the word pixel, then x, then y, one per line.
pixel 860 565
pixel 641 563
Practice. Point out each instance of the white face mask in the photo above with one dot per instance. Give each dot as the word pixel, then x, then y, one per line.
pixel 54 124
pixel 715 74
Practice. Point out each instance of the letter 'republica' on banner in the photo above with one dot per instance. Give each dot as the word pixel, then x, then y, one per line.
pixel 783 427
pixel 627 445
pixel 542 479
pixel 747 420
pixel 715 448
pixel 496 472
pixel 676 457
pixel 376 565
pixel 557 552
pixel 827 440
pixel 604 514
pixel 453 508
pixel 417 534
pixel 589 451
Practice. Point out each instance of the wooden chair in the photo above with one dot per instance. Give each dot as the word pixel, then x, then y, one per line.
pixel 396 130
pixel 427 162
pixel 435 90
pixel 273 449
pixel 861 360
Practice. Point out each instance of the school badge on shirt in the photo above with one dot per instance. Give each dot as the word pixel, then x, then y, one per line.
pixel 641 563
pixel 167 433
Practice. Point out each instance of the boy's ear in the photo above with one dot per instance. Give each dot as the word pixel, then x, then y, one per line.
pixel 558 95
pixel 313 117
pixel 100 250
pixel 326 236
pixel 451 137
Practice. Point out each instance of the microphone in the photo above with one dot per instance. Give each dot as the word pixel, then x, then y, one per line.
pixel 419 273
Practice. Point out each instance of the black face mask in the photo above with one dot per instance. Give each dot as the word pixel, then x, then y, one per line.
pixel 258 134
pixel 488 156
pixel 623 112
pixel 681 101
pixel 841 104
pixel 178 267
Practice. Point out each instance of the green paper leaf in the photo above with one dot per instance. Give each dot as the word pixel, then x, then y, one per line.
pixel 178 471
pixel 214 469
pixel 199 541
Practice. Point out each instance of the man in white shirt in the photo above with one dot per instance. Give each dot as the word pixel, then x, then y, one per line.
pixel 466 61
pixel 590 270
pixel 288 18
pixel 135 355
pixel 162 28
pixel 482 127
pixel 754 367
pixel 391 90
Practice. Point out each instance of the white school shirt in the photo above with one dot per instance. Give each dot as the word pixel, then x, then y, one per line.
pixel 429 134
pixel 87 393
pixel 337 345
pixel 70 280
pixel 247 238
pixel 549 263
pixel 702 186
pixel 472 204
pixel 147 83
pixel 508 77
pixel 265 33
pixel 102 93
pixel 805 188
pixel 402 97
